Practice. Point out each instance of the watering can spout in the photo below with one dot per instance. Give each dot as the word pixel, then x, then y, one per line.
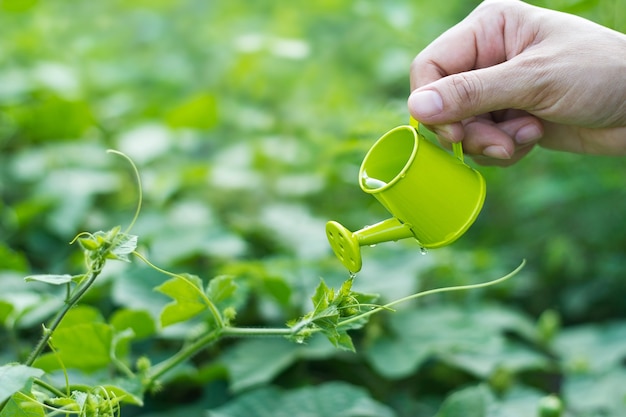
pixel 347 245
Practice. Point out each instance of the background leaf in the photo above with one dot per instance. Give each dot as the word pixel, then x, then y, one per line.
pixel 472 339
pixel 469 402
pixel 15 377
pixel 20 405
pixel 139 321
pixel 336 399
pixel 258 361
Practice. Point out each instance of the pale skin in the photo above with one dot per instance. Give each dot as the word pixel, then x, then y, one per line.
pixel 511 76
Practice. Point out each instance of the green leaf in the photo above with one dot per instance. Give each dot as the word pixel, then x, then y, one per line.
pixel 50 278
pixel 596 394
pixel 187 291
pixel 329 308
pixel 322 297
pixel 335 399
pixel 129 391
pixel 278 289
pixel 123 246
pixel 14 377
pixel 200 112
pixel 592 347
pixel 468 338
pixel 20 405
pixel 479 401
pixel 257 361
pixel 469 402
pixel 6 309
pixel 84 346
pixel 139 321
pixel 221 288
pixel 81 314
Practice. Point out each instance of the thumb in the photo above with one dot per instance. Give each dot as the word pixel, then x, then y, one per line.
pixel 467 94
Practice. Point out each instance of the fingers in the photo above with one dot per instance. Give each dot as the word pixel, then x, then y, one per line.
pixel 467 71
pixel 467 94
pixel 499 143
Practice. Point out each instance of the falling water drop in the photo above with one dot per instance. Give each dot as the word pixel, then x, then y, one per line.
pixel 423 250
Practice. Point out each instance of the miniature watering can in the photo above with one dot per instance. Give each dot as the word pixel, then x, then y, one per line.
pixel 433 196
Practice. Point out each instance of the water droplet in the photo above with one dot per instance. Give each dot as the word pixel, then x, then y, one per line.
pixel 423 250
pixel 352 275
pixel 373 245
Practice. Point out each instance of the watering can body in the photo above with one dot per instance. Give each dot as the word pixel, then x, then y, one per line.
pixel 433 196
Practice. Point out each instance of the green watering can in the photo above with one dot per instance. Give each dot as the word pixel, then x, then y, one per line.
pixel 433 196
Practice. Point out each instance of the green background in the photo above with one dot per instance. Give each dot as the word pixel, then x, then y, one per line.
pixel 248 121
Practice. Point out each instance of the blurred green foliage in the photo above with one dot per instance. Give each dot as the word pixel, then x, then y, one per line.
pixel 248 121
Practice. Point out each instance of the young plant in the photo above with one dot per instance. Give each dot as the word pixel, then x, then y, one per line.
pixel 72 341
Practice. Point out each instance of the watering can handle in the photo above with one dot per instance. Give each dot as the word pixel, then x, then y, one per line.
pixel 457 147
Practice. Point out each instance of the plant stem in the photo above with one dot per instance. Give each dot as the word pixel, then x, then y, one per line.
pixel 182 355
pixel 47 333
pixel 256 331
pixel 139 187
pixel 433 291
pixel 49 387
pixel 190 350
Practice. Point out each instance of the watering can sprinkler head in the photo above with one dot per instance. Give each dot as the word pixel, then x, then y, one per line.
pixel 432 196
pixel 347 244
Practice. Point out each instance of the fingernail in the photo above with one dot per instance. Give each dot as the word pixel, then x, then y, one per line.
pixel 497 152
pixel 528 134
pixel 444 131
pixel 425 104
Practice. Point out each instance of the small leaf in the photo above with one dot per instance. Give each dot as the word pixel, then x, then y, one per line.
pixel 322 297
pixel 343 341
pixel 88 243
pixel 329 309
pixel 123 246
pixel 14 377
pixel 50 278
pixel 129 391
pixel 221 288
pixel 186 291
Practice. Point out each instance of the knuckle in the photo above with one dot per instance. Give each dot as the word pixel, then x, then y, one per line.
pixel 467 89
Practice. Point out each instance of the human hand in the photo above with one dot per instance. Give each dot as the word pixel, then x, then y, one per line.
pixel 512 75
